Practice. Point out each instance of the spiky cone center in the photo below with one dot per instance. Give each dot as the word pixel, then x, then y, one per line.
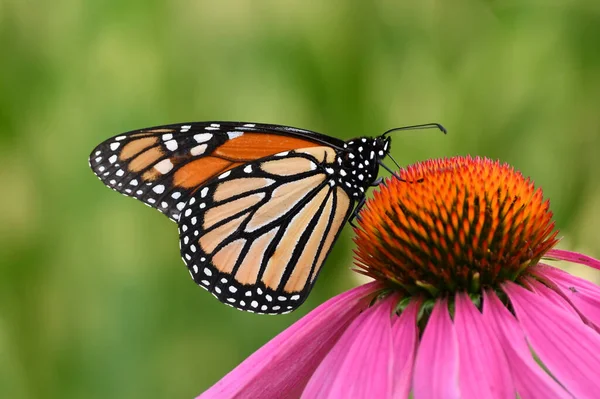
pixel 456 224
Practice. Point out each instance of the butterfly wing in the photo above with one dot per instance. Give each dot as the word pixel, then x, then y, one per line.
pixel 163 166
pixel 256 235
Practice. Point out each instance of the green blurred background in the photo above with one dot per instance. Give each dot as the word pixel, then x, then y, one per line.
pixel 94 299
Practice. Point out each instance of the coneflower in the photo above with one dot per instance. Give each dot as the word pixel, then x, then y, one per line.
pixel 462 305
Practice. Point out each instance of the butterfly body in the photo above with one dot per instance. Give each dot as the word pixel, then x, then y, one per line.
pixel 258 206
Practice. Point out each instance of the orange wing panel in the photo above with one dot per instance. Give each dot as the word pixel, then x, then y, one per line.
pixel 252 146
pixel 197 172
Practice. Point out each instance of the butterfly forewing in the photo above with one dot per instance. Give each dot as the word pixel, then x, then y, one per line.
pixel 256 235
pixel 164 165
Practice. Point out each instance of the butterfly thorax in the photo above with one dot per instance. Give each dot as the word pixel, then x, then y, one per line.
pixel 359 163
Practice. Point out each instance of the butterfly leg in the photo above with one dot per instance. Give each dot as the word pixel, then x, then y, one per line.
pixel 377 182
pixel 357 209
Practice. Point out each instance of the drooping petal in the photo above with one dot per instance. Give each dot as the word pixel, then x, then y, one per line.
pixel 583 295
pixel 484 372
pixel 530 380
pixel 566 346
pixel 405 333
pixel 574 257
pixel 436 366
pixel 360 364
pixel 283 366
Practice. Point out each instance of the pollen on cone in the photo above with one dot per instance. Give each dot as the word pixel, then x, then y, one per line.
pixel 453 224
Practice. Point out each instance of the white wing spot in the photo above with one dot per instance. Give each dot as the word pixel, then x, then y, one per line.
pixel 176 195
pixel 224 175
pixel 204 192
pixel 194 220
pixel 195 269
pixel 207 271
pixel 112 159
pixel 202 205
pixel 295 297
pixel 158 189
pixel 211 128
pixel 263 307
pixel 151 200
pixel 114 146
pixel 282 298
pixel 248 293
pixel 205 282
pixel 224 280
pixel 232 289
pixel 188 212
pixel 185 128
pixel 198 150
pixel 254 304
pixel 120 172
pixel 167 137
pixel 186 240
pixel 101 169
pixel 164 166
pixel 232 300
pixel 249 125
pixel 202 137
pixel 120 138
pixel 164 204
pixel 180 205
pixel 233 135
pixel 192 200
pixel 98 159
pixel 139 192
pixel 217 290
pixel 171 145
pixel 248 169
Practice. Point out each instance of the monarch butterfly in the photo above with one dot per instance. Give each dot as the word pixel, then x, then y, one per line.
pixel 258 206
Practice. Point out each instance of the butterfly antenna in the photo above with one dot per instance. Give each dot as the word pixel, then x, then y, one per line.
pixel 418 127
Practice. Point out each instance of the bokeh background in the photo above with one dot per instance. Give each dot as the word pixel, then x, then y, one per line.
pixel 94 300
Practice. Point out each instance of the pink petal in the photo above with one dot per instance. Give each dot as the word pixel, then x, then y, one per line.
pixel 282 367
pixel 484 372
pixel 574 257
pixel 405 333
pixel 436 366
pixel 550 294
pixel 567 347
pixel 529 379
pixel 360 364
pixel 582 294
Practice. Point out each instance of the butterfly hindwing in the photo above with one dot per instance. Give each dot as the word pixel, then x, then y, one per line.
pixel 162 166
pixel 256 235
